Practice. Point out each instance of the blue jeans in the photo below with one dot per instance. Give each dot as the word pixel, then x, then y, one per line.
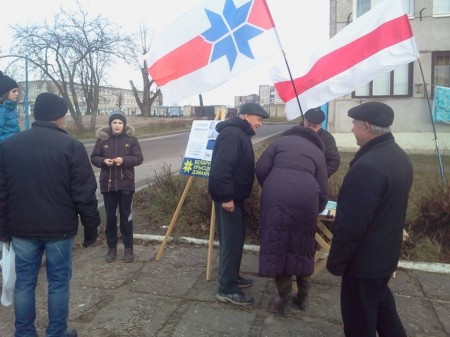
pixel 59 272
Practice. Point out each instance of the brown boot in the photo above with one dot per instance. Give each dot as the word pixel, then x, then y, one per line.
pixel 111 255
pixel 302 298
pixel 128 255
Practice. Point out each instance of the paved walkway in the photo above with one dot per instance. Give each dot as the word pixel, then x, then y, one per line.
pixel 171 298
pixel 411 142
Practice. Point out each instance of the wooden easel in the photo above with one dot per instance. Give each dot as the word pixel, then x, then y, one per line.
pixel 219 116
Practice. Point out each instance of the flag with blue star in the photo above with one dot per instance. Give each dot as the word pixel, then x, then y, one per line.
pixel 209 45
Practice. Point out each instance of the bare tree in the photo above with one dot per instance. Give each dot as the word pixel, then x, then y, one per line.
pixel 73 51
pixel 148 96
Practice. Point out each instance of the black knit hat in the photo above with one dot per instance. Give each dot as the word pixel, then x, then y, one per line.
pixel 6 84
pixel 315 116
pixel 253 109
pixel 117 114
pixel 49 107
pixel 375 113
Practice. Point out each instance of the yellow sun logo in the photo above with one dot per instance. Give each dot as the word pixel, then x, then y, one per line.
pixel 187 166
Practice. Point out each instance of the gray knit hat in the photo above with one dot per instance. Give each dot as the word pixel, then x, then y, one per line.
pixel 117 114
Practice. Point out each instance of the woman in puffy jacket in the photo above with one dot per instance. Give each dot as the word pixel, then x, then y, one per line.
pixel 117 152
pixel 9 93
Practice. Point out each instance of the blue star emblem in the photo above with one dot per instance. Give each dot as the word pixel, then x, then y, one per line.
pixel 230 33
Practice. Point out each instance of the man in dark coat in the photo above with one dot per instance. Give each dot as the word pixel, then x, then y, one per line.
pixel 46 184
pixel 230 183
pixel 368 231
pixel 313 119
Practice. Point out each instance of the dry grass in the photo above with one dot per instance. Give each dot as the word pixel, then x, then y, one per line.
pixel 428 214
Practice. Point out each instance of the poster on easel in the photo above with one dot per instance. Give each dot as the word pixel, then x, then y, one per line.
pixel 197 158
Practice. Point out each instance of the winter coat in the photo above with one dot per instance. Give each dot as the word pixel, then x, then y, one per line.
pixel 330 150
pixel 371 211
pixel 232 170
pixel 117 178
pixel 46 182
pixel 293 175
pixel 9 123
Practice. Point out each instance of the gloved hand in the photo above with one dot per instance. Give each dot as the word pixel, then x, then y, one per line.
pixel 90 236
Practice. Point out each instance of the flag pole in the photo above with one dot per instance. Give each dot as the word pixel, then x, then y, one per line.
pixel 438 152
pixel 289 71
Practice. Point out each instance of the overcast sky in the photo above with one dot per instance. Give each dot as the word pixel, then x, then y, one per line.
pixel 301 25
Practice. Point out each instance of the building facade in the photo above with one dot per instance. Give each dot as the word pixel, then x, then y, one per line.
pixel 110 98
pixel 404 89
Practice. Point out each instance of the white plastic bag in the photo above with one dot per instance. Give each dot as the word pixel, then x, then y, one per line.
pixel 8 274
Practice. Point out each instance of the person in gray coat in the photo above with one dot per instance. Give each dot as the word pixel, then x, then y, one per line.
pixel 293 175
pixel 368 231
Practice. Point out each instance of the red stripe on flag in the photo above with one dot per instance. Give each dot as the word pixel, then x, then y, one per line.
pixel 181 61
pixel 260 15
pixel 342 59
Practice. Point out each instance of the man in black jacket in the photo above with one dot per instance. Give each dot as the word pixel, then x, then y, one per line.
pixel 313 119
pixel 368 231
pixel 46 183
pixel 230 183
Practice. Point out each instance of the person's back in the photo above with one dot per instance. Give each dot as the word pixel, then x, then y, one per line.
pixel 46 182
pixel 42 159
pixel 298 154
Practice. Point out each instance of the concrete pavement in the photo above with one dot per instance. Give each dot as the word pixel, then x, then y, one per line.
pixel 171 297
pixel 411 142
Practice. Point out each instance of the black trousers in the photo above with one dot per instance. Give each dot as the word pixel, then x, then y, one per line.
pixel 368 307
pixel 123 200
pixel 231 233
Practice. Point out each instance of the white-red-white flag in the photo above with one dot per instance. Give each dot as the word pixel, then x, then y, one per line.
pixel 209 45
pixel 377 42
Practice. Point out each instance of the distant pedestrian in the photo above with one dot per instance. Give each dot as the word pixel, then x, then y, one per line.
pixel 313 119
pixel 230 183
pixel 293 175
pixel 9 93
pixel 368 231
pixel 116 153
pixel 46 186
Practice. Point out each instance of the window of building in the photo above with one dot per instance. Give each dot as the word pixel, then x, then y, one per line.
pixel 399 81
pixel 395 83
pixel 440 66
pixel 441 7
pixel 362 6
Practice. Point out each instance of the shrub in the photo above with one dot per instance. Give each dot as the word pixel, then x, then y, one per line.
pixel 431 224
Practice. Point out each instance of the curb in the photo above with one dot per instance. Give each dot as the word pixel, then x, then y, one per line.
pixel 440 268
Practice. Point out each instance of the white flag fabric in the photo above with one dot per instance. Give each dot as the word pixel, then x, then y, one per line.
pixel 209 45
pixel 377 42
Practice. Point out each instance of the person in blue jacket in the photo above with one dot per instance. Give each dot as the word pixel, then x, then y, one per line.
pixel 9 93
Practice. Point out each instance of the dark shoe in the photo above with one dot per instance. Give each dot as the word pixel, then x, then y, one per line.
pixel 244 282
pixel 111 255
pixel 302 298
pixel 237 298
pixel 72 333
pixel 282 305
pixel 128 255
